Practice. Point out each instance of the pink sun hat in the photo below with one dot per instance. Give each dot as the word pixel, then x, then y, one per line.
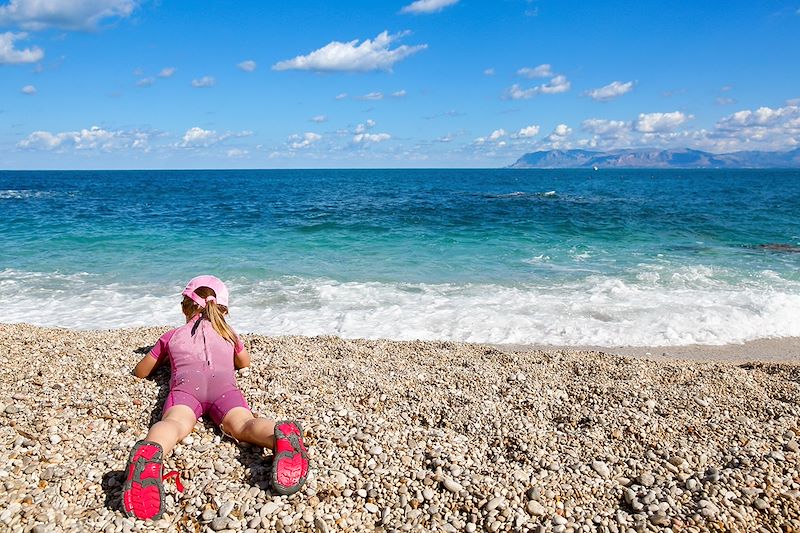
pixel 212 282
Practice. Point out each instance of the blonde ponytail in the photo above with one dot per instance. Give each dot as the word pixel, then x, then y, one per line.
pixel 213 312
pixel 216 315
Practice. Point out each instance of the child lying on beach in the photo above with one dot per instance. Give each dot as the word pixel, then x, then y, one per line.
pixel 203 355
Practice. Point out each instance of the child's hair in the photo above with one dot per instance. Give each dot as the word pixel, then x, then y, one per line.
pixel 214 312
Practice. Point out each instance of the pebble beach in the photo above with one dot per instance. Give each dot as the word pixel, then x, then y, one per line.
pixel 409 436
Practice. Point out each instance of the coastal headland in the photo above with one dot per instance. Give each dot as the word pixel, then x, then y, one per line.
pixel 411 436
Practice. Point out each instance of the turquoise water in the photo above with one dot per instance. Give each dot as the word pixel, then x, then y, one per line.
pixel 546 256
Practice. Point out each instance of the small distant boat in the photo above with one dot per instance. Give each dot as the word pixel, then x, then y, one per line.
pixel 594 167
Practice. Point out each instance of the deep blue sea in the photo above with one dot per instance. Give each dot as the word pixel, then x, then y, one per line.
pixel 608 257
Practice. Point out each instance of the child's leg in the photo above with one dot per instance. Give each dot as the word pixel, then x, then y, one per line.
pixel 240 423
pixel 177 422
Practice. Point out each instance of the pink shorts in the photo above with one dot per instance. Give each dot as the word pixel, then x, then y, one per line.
pixel 217 409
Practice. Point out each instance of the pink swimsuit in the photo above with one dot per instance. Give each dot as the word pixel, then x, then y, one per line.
pixel 203 376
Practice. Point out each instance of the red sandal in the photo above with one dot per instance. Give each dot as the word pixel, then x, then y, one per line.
pixel 290 463
pixel 143 491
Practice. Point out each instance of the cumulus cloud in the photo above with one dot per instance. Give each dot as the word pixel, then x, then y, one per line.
pixel 145 82
pixel 197 137
pixel 660 122
pixel 361 128
pixel 29 89
pixel 341 96
pixel 319 119
pixel 237 153
pixel 11 56
pixel 204 82
pixel 528 131
pixel 298 142
pixel 763 116
pixel 488 72
pixel 610 91
pixel 167 72
pixel 66 15
pixel 515 92
pixel 558 138
pixel 372 96
pixel 399 94
pixel 370 55
pixel 94 138
pixel 365 138
pixel 495 137
pixel 600 126
pixel 542 71
pixel 427 6
pixel 247 66
pixel 558 84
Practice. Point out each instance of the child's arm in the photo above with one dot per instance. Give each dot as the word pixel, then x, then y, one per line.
pixel 146 366
pixel 154 357
pixel 241 359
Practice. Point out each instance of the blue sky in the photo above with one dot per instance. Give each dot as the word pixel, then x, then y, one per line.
pixel 427 83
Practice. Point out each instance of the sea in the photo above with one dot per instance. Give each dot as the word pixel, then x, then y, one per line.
pixel 553 257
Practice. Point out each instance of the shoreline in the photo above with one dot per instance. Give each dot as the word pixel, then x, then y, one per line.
pixel 407 436
pixel 773 350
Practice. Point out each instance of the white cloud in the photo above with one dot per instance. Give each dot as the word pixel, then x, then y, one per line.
pixel 11 56
pixel 542 71
pixel 362 135
pixel 94 138
pixel 361 128
pixel 399 94
pixel 204 82
pixel 493 137
pixel 763 116
pixel 660 122
pixel 562 130
pixel 304 141
pixel 372 96
pixel 793 101
pixel 558 84
pixel 64 14
pixel 29 89
pixel 319 119
pixel 364 138
pixel 558 138
pixel 236 153
pixel 427 6
pixel 353 57
pixel 145 82
pixel 197 136
pixel 605 127
pixel 341 96
pixel 167 72
pixel 528 131
pixel 725 100
pixel 488 72
pixel 610 91
pixel 515 92
pixel 247 66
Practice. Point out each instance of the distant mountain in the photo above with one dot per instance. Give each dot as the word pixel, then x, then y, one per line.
pixel 654 158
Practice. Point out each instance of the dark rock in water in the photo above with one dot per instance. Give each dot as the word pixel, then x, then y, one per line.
pixel 780 248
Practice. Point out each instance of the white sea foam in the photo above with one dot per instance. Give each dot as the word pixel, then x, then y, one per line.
pixel 689 306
